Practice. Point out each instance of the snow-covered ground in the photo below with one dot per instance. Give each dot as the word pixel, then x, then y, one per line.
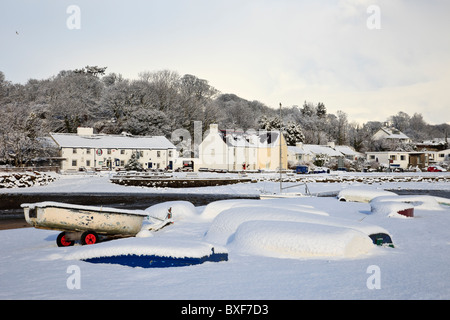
pixel 304 248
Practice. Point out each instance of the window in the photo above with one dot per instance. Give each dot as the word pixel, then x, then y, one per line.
pixel 372 157
pixel 88 151
pixel 74 150
pixel 393 157
pixel 158 154
pixel 88 163
pixel 402 158
pixel 170 153
pixel 122 151
pixel 74 163
pixel 441 155
pixel 109 151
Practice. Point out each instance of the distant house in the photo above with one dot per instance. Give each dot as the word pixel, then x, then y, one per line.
pixel 439 156
pixel 304 153
pixel 437 144
pixel 100 151
pixel 231 150
pixel 391 134
pixel 349 153
pixel 400 159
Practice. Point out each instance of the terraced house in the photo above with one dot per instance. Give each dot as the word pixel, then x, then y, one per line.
pixel 86 150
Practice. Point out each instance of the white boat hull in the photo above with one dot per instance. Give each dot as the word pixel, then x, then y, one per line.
pixel 281 195
pixel 73 218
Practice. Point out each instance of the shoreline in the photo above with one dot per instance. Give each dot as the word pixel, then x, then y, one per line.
pixel 13 223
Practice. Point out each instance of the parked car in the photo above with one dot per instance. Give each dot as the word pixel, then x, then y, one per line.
pixel 321 170
pixel 302 169
pixel 435 169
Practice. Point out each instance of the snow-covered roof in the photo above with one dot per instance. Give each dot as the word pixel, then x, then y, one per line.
pixel 262 139
pixel 319 149
pixel 336 151
pixel 391 133
pixel 347 150
pixel 433 142
pixel 298 150
pixel 71 140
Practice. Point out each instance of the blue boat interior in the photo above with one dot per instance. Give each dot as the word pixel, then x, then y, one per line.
pixel 156 261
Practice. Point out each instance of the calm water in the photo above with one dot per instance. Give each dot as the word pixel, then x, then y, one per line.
pixel 10 203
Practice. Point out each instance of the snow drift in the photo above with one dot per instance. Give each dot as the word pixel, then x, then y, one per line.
pixel 288 233
pixel 362 194
pixel 215 208
pixel 282 239
pixel 421 202
pixel 391 205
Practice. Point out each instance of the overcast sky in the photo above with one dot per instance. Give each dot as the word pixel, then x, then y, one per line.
pixel 370 59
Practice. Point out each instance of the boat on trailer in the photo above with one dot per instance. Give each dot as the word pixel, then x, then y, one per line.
pixel 85 223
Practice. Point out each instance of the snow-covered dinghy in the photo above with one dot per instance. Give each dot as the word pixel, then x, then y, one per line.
pixel 150 252
pixel 84 223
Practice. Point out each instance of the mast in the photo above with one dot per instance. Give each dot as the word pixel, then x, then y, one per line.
pixel 281 125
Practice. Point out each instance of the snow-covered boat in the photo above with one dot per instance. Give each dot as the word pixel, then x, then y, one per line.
pixel 154 252
pixel 84 223
pixel 280 195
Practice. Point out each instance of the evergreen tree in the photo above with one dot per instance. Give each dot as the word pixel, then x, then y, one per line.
pixel 293 134
pixel 134 163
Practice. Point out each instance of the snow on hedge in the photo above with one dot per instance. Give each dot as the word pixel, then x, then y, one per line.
pixel 283 239
pixel 24 179
pixel 362 194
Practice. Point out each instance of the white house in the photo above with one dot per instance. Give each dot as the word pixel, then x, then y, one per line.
pixel 391 134
pixel 392 159
pixel 96 151
pixel 304 153
pixel 439 156
pixel 401 159
pixel 231 150
pixel 349 153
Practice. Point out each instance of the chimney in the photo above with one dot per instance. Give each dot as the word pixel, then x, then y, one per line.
pixel 331 144
pixel 213 128
pixel 82 131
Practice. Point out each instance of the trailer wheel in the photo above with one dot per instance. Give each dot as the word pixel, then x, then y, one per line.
pixel 89 237
pixel 61 240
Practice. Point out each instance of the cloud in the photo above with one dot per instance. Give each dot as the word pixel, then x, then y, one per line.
pixel 273 51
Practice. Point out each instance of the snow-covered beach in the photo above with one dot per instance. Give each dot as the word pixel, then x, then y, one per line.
pixel 280 249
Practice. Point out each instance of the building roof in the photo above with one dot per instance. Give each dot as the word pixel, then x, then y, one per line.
pixel 262 139
pixel 319 149
pixel 298 150
pixel 391 133
pixel 103 141
pixel 315 149
pixel 347 150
